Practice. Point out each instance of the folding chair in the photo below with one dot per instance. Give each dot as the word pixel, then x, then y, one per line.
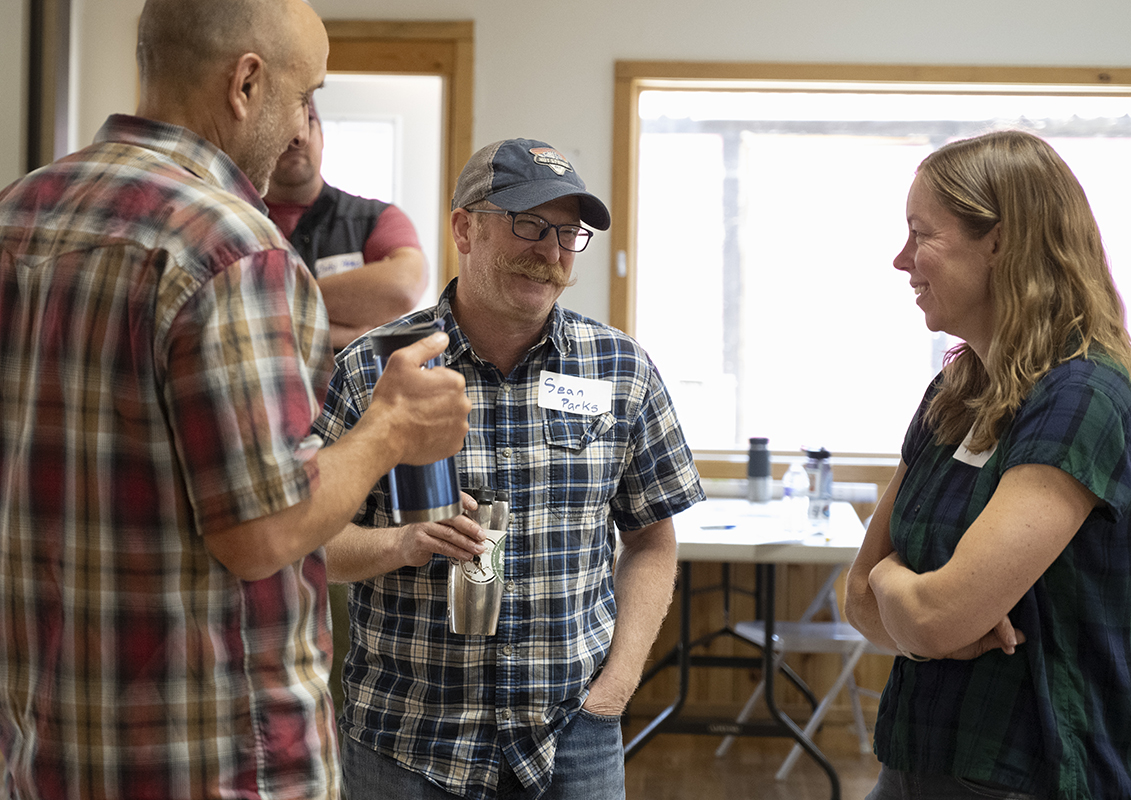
pixel 807 636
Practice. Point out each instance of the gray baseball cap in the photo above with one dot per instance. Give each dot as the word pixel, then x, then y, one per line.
pixel 520 174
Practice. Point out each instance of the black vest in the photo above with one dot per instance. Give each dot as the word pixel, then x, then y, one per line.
pixel 337 222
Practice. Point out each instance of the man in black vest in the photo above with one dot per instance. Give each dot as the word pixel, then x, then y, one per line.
pixel 364 253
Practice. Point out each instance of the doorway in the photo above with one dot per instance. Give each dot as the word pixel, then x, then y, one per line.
pixel 384 72
pixel 384 139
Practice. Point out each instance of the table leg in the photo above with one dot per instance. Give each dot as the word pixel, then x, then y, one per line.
pixel 681 656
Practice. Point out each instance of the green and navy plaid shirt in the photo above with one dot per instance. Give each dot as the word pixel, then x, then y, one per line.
pixel 1054 719
pixel 450 706
pixel 164 352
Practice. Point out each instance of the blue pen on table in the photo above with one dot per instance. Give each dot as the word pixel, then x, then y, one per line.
pixel 716 527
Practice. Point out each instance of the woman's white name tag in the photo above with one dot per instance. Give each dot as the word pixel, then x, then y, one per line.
pixel 586 396
pixel 964 454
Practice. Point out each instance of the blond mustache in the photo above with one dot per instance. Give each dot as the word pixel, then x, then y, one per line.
pixel 536 269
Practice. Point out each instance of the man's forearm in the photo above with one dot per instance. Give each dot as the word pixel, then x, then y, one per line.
pixel 645 576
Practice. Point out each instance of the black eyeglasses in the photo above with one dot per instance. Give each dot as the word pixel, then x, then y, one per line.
pixel 533 228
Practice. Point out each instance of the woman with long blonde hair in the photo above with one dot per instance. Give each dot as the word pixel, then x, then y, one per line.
pixel 998 562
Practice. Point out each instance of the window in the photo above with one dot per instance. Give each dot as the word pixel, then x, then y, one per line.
pixel 765 214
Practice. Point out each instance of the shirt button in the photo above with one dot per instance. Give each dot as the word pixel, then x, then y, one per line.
pixel 507 650
pixel 505 713
pixel 506 452
pixel 506 387
pixel 509 586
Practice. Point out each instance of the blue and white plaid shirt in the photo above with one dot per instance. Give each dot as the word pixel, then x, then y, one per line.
pixel 450 706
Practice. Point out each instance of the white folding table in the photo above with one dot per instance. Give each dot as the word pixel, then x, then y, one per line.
pixel 730 531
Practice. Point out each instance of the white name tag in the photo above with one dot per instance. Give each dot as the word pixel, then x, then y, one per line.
pixel 585 396
pixel 332 265
pixel 964 455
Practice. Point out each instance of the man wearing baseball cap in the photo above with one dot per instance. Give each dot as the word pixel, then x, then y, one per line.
pixel 571 420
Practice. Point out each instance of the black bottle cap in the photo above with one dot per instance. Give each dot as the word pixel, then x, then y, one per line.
pixel 484 494
pixel 385 341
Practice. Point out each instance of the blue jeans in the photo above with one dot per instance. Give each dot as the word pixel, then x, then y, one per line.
pixel 897 785
pixel 589 764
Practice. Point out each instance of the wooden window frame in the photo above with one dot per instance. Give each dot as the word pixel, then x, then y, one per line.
pixel 633 77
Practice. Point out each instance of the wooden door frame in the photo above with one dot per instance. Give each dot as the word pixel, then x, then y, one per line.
pixel 48 82
pixel 446 49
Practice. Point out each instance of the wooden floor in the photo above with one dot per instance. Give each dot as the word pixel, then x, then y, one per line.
pixel 684 767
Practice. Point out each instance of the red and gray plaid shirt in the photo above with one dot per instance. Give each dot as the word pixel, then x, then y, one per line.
pixel 163 353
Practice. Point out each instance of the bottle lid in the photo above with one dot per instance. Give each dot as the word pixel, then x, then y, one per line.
pixel 385 341
pixel 484 494
pixel 502 496
pixel 818 454
pixel 759 440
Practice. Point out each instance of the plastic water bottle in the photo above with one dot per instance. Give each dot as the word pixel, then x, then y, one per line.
pixel 819 473
pixel 795 498
pixel 759 482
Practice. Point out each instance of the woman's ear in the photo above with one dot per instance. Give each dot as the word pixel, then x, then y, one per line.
pixel 995 232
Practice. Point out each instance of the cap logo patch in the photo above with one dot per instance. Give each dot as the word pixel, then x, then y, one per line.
pixel 549 157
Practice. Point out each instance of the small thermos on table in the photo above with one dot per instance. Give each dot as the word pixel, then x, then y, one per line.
pixel 759 481
pixel 819 470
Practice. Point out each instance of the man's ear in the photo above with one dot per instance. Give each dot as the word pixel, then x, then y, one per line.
pixel 245 87
pixel 461 230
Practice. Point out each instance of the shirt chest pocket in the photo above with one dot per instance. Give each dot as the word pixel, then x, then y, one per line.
pixel 584 463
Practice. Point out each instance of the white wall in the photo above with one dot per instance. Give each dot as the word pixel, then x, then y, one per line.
pixel 546 72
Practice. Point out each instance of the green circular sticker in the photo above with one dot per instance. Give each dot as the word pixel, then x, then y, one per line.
pixel 498 551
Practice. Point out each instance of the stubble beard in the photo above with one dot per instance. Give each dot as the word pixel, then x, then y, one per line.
pixel 265 147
